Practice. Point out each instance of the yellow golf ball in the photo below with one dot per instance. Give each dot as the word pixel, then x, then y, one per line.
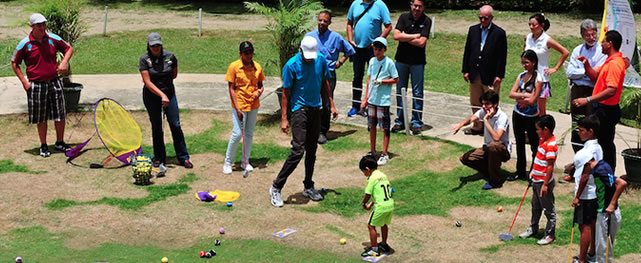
pixel 342 241
pixel 164 260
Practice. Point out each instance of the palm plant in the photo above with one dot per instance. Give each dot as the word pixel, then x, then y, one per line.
pixel 288 23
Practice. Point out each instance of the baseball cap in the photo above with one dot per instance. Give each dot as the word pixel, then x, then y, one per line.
pixel 380 40
pixel 36 18
pixel 246 46
pixel 309 47
pixel 154 39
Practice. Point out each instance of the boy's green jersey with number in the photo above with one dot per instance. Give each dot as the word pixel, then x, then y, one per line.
pixel 378 186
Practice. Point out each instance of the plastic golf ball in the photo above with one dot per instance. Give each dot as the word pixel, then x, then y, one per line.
pixel 499 209
pixel 164 260
pixel 221 230
pixel 342 241
pixel 230 204
pixel 458 223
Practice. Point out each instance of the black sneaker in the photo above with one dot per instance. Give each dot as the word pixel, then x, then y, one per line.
pixel 44 151
pixel 385 248
pixel 513 177
pixel 371 252
pixel 416 130
pixel 322 139
pixel 62 146
pixel 397 128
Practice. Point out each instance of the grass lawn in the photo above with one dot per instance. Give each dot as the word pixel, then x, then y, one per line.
pixel 427 187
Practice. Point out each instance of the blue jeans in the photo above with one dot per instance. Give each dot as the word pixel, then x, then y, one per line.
pixel 360 61
pixel 416 72
pixel 249 118
pixel 153 104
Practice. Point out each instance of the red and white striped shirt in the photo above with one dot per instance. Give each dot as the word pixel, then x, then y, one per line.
pixel 546 152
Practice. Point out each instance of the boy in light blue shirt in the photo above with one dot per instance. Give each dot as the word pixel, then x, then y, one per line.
pixel 382 75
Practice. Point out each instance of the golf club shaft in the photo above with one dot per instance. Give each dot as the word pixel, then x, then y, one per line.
pixel 609 238
pixel 571 239
pixel 519 209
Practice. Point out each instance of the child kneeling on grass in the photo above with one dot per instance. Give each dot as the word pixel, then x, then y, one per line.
pixel 378 91
pixel 542 176
pixel 379 187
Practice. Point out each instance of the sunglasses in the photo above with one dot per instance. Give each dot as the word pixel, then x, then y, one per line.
pixel 484 18
pixel 157 45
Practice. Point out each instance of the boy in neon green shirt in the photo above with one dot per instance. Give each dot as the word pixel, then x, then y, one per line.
pixel 379 187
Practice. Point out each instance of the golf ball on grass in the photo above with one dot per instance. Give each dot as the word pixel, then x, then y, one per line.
pixel 230 204
pixel 164 260
pixel 499 209
pixel 342 241
pixel 221 230
pixel 458 223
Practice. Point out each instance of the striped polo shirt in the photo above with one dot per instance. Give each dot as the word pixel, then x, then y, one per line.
pixel 546 152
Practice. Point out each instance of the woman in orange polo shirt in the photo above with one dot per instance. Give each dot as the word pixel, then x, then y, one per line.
pixel 245 78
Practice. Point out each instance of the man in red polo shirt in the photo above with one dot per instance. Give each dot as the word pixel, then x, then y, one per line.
pixel 43 86
pixel 606 95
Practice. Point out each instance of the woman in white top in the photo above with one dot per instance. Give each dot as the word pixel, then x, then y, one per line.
pixel 541 43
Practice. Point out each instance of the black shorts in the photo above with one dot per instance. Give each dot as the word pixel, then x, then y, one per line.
pixel 586 212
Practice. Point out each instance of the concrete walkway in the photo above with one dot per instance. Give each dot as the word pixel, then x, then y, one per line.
pixel 209 91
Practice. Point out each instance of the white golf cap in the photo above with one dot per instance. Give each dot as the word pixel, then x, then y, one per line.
pixel 381 40
pixel 309 47
pixel 36 18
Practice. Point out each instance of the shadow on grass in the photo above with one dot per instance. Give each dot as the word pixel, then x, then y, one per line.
pixel 156 193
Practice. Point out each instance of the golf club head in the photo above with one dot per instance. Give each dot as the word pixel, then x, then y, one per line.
pixel 245 173
pixel 505 236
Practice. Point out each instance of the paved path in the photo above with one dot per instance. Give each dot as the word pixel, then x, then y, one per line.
pixel 209 91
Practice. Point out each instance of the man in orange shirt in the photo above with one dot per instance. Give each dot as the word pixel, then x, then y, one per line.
pixel 607 92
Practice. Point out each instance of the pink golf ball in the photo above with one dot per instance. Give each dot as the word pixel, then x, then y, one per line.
pixel 221 230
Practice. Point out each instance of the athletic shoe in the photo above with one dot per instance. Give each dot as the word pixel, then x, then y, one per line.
pixel 546 240
pixel 397 128
pixel 385 248
pixel 351 112
pixel 312 194
pixel 383 159
pixel 527 233
pixel 575 259
pixel 248 167
pixel 322 139
pixel 371 252
pixel 487 186
pixel 277 200
pixel 162 170
pixel 227 168
pixel 44 151
pixel 515 176
pixel 187 164
pixel 416 130
pixel 62 147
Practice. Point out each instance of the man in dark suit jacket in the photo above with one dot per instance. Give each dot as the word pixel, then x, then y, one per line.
pixel 484 60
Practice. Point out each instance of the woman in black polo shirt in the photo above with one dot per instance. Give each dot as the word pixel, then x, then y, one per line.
pixel 158 69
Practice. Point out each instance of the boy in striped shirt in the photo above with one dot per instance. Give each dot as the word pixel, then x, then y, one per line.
pixel 542 181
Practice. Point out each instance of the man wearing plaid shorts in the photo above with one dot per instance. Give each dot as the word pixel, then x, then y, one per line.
pixel 43 87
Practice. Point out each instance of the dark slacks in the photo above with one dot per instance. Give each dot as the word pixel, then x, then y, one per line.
pixel 523 124
pixel 360 61
pixel 326 112
pixel 305 128
pixel 155 110
pixel 487 161
pixel 578 112
pixel 608 116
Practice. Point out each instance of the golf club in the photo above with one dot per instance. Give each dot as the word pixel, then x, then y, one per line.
pixel 242 134
pixel 607 241
pixel 571 239
pixel 508 236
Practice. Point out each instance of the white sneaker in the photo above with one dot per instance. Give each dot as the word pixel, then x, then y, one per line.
pixel 546 240
pixel 277 200
pixel 162 170
pixel 527 233
pixel 248 167
pixel 227 168
pixel 383 159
